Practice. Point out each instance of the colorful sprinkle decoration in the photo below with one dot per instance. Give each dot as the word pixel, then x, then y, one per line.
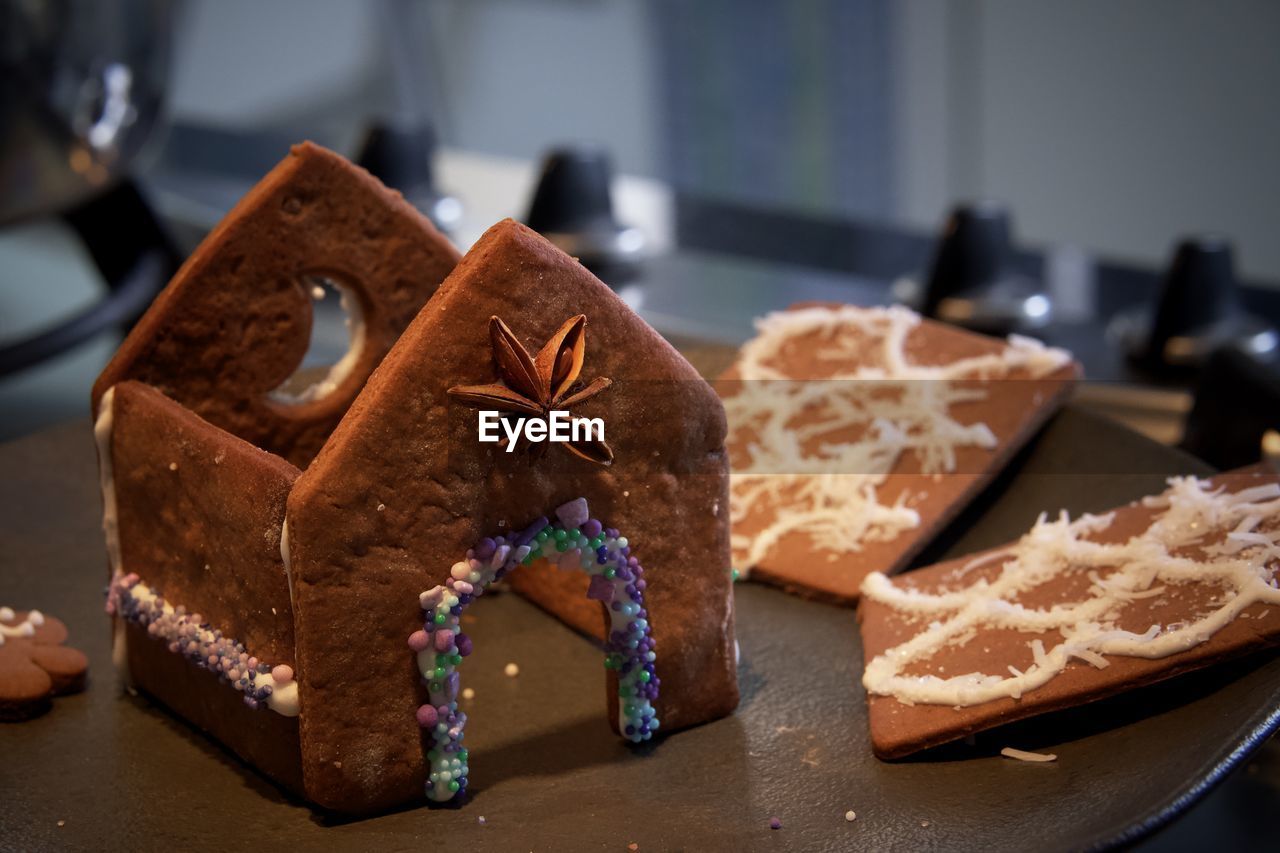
pixel 187 634
pixel 573 541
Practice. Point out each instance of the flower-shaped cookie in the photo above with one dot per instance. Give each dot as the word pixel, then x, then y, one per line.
pixel 34 665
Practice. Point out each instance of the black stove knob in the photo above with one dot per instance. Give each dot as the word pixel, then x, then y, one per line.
pixel 400 156
pixel 969 283
pixel 573 207
pixel 1198 311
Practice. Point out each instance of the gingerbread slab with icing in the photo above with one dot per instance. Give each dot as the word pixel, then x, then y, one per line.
pixel 857 434
pixel 311 620
pixel 1075 611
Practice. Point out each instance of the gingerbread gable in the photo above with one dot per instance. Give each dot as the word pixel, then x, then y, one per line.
pixel 403 493
pixel 234 322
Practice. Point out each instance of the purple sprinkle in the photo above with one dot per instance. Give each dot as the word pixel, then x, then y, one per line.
pixel 444 639
pixel 526 535
pixel 774 823
pixel 600 589
pixel 485 549
pixel 573 514
pixel 463 642
pixel 427 716
pixel 591 529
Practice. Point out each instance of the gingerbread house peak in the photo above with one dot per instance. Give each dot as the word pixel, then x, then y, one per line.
pixel 235 321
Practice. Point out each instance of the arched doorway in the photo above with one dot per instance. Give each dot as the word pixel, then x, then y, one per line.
pixel 573 540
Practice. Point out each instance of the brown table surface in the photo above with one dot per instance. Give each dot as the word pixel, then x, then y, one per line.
pixel 104 770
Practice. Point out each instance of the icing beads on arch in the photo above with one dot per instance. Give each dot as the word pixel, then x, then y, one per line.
pixel 573 541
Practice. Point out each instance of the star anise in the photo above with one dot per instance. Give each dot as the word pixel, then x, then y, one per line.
pixel 537 385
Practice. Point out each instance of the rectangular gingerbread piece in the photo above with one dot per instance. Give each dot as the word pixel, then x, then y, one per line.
pixel 857 434
pixel 1074 611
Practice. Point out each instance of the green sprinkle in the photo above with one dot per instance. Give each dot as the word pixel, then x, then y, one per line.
pixel 624 691
pixel 560 535
pixel 442 617
pixel 611 573
pixel 597 542
pixel 644 675
pixel 453 786
pixel 542 535
pixel 462 756
pixel 734 574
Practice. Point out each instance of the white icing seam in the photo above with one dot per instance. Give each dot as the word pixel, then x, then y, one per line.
pixel 1193 516
pixel 102 427
pixel 288 563
pixel 781 476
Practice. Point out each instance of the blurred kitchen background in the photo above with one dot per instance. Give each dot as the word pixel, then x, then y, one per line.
pixel 1022 166
pixel 761 151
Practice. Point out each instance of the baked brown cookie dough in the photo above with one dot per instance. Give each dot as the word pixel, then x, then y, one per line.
pixel 1075 611
pixel 199 594
pixel 857 434
pixel 234 323
pixel 403 491
pixel 35 666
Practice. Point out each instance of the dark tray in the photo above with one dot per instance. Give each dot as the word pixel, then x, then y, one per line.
pixel 547 774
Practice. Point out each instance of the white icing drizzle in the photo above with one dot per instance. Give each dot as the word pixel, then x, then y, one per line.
pixel 26 628
pixel 840 512
pixel 1201 535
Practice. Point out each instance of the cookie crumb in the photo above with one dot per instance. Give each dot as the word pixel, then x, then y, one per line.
pixel 468 693
pixel 850 816
pixel 381 507
pixel 1023 755
pixel 633 846
pixel 173 466
pixel 512 670
pixel 774 823
pixel 924 823
pixel 481 819
pixel 62 823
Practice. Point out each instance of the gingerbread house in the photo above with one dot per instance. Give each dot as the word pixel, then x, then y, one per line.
pixel 289 574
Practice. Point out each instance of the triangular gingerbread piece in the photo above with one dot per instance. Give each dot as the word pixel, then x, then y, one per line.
pixel 235 321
